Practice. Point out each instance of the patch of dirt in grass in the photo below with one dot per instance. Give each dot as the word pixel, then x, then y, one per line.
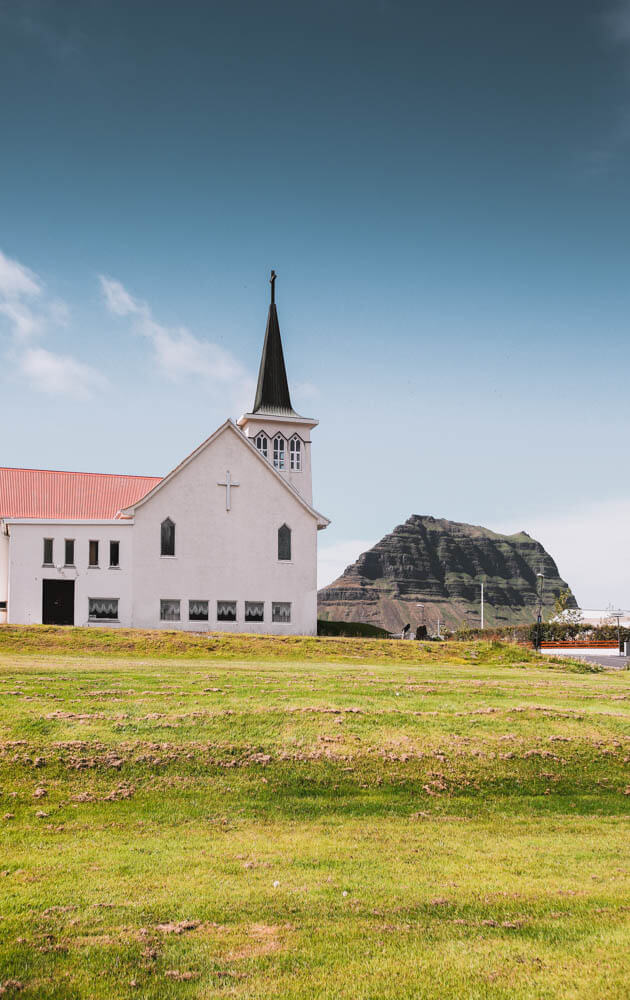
pixel 264 939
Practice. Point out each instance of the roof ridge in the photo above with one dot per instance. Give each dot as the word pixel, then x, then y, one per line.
pixel 76 472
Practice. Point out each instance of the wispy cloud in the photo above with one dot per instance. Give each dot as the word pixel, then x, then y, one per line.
pixel 617 22
pixel 59 375
pixel 29 313
pixel 178 353
pixel 615 26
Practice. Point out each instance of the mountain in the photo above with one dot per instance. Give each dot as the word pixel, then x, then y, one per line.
pixel 440 564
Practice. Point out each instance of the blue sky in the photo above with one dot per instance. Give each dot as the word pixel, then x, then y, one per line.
pixel 443 190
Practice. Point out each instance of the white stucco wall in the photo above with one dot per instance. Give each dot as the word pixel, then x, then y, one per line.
pixel 4 573
pixel 225 555
pixel 26 571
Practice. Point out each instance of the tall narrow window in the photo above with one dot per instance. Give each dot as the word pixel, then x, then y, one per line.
pixel 114 555
pixel 69 552
pixel 262 443
pixel 278 452
pixel 48 552
pixel 295 454
pixel 284 542
pixel 167 538
pixel 93 553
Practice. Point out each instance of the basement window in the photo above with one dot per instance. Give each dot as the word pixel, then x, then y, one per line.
pixel 198 611
pixel 281 611
pixel 254 611
pixel 103 609
pixel 169 610
pixel 226 611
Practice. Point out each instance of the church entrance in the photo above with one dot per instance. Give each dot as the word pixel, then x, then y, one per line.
pixel 58 602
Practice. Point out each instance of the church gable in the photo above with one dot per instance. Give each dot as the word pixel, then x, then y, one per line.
pixel 227 445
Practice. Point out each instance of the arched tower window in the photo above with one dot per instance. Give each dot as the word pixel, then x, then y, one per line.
pixel 284 542
pixel 295 454
pixel 262 443
pixel 167 538
pixel 278 452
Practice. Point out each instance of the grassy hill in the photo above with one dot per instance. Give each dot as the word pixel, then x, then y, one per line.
pixel 265 821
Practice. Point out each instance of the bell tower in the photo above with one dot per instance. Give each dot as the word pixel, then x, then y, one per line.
pixel 281 435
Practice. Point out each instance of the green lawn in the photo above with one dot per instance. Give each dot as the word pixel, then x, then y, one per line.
pixel 208 826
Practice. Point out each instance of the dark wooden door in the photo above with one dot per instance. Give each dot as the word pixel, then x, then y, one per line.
pixel 58 602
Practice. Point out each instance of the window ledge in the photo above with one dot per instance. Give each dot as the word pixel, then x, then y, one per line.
pixel 100 621
pixel 113 567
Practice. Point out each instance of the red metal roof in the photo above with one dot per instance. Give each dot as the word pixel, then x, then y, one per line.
pixel 81 495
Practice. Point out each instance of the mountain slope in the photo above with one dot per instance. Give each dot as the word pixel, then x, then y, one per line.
pixel 441 564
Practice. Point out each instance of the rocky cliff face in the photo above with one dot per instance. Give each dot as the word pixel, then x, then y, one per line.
pixel 441 564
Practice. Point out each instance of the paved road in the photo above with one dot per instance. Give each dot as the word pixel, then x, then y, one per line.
pixel 610 662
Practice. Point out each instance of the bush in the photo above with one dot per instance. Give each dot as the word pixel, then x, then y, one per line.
pixel 351 629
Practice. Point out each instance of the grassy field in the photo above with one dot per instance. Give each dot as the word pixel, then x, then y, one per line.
pixel 264 819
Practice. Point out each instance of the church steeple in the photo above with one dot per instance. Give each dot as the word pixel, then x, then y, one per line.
pixel 272 391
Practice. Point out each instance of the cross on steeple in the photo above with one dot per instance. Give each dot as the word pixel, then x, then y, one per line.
pixel 272 282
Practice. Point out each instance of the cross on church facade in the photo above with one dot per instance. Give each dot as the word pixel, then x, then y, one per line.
pixel 228 488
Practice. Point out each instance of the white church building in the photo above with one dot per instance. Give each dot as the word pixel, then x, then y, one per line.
pixel 226 541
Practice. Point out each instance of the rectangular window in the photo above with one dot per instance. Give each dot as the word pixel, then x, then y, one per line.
pixel 254 611
pixel 198 611
pixel 3 605
pixel 226 611
pixel 48 552
pixel 114 554
pixel 169 611
pixel 281 611
pixel 103 609
pixel 93 553
pixel 69 559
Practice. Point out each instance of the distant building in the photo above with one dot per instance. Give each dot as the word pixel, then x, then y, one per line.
pixel 227 540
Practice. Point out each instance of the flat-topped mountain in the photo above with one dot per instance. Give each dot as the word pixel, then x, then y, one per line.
pixel 441 564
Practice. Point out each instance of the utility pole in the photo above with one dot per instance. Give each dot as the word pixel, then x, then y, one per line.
pixel 540 578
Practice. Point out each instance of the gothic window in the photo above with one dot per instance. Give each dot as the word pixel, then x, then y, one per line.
pixel 254 611
pixel 295 454
pixel 278 452
pixel 281 611
pixel 93 555
pixel 103 609
pixel 226 611
pixel 284 542
pixel 169 610
pixel 167 538
pixel 262 443
pixel 48 552
pixel 198 611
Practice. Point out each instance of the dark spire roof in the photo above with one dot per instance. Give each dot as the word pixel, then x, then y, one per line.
pixel 272 392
